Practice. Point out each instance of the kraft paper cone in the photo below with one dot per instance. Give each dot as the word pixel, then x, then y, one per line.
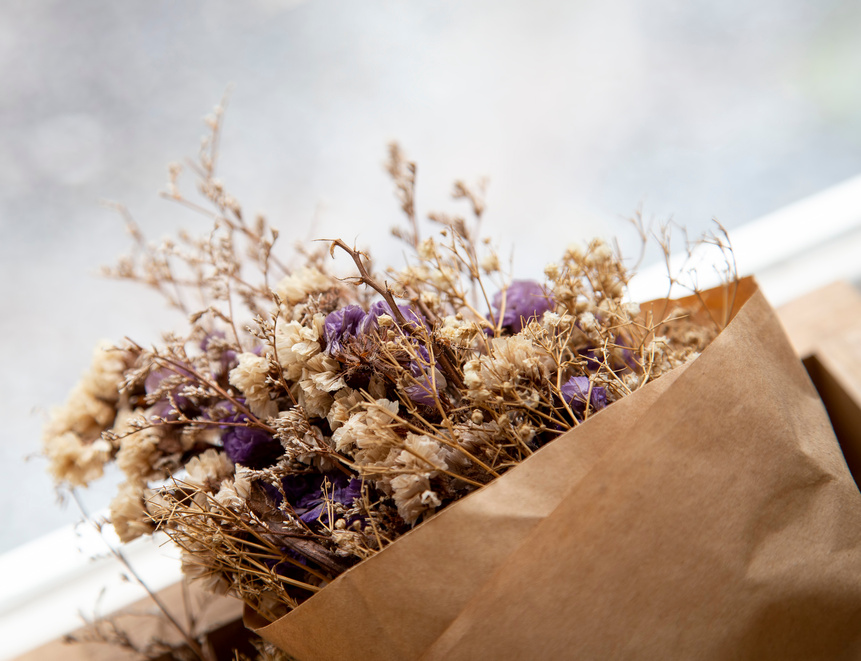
pixel 395 605
pixel 452 584
pixel 731 529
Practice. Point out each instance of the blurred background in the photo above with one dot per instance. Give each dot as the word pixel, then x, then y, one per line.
pixel 578 112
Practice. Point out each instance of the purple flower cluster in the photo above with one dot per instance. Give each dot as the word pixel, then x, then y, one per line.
pixel 248 446
pixel 352 321
pixel 305 494
pixel 524 300
pixel 423 391
pixel 251 447
pixel 164 408
pixel 575 391
pixel 342 325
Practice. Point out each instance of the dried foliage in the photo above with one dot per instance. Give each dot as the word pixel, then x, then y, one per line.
pixel 305 420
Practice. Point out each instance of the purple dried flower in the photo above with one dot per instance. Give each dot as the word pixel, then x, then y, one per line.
pixel 524 299
pixel 305 493
pixel 423 391
pixel 381 307
pixel 251 447
pixel 228 356
pixel 575 391
pixel 351 321
pixel 341 325
pixel 163 408
pixel 370 322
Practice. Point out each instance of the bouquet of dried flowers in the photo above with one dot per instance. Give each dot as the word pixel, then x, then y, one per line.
pixel 307 419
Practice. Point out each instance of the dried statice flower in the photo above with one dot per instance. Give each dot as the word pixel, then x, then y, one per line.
pixel 521 301
pixel 129 513
pixel 296 287
pixel 250 446
pixel 296 344
pixel 514 367
pixel 139 446
pixel 417 465
pixel 250 377
pixel 341 326
pixel 578 393
pixel 72 438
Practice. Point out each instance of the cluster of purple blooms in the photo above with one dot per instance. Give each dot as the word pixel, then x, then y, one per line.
pixel 526 300
pixel 353 323
pixel 305 493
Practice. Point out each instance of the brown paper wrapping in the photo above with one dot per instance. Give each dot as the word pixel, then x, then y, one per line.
pixel 708 515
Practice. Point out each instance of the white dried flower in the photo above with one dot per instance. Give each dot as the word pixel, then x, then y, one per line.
pixel 599 254
pixel 443 277
pixel 250 377
pixel 74 462
pixel 367 433
pixel 552 271
pixel 345 401
pixel 325 372
pixel 105 375
pixel 430 298
pixel 82 414
pixel 206 471
pixel 128 512
pixel 510 362
pixel 234 493
pixel 575 252
pixel 295 345
pixel 316 402
pixel 631 309
pixel 296 287
pixel 490 263
pixel 427 249
pixel 430 500
pixel 416 465
pixel 589 323
pixel 407 492
pixel 138 449
pixel 320 377
pixel 456 331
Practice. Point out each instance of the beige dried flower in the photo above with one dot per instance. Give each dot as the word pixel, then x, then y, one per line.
pixel 128 512
pixel 73 461
pixel 296 287
pixel 295 345
pixel 249 376
pixel 208 470
pixel 512 363
pixel 234 493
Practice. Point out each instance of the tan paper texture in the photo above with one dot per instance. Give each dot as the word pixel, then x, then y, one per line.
pixel 708 515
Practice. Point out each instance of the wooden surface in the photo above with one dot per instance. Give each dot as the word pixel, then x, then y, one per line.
pixel 143 622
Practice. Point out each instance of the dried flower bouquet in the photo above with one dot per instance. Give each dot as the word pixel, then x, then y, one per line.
pixel 306 420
